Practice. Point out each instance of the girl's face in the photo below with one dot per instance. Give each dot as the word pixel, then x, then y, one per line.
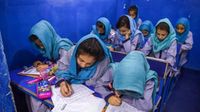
pixel 85 60
pixel 39 43
pixel 161 34
pixel 124 30
pixel 132 14
pixel 180 28
pixel 145 33
pixel 100 30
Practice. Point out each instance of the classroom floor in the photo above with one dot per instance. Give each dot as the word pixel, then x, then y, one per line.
pixel 185 96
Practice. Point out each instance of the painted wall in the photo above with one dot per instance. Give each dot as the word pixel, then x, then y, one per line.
pixel 6 95
pixel 74 18
pixel 70 18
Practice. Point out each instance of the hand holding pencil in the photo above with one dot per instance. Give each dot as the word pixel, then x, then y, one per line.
pixel 115 99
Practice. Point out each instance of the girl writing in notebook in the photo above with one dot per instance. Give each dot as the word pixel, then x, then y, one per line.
pixel 45 39
pixel 132 82
pixel 83 64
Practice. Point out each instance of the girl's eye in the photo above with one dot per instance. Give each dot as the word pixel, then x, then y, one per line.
pixel 81 60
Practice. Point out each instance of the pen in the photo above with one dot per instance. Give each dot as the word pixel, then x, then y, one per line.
pixel 34 80
pixel 51 78
pixel 116 93
pixel 63 107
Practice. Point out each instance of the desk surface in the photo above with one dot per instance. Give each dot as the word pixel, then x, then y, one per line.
pixel 30 89
pixel 21 82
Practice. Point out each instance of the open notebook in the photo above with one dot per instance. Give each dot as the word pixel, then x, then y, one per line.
pixel 31 71
pixel 81 100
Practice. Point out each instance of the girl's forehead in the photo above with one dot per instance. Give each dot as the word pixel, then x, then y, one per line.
pixel 123 28
pixel 180 25
pixel 132 11
pixel 161 30
pixel 86 58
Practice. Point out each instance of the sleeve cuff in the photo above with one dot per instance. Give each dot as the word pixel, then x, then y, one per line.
pixel 59 81
pixel 126 40
pixel 108 96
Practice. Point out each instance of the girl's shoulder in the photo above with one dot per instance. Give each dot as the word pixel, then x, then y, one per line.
pixel 70 51
pixel 174 42
pixel 138 32
pixel 190 33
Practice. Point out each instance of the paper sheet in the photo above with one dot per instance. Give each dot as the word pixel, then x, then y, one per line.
pixel 81 100
pixel 124 107
pixel 79 91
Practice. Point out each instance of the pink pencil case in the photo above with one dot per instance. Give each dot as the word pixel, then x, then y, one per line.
pixel 44 90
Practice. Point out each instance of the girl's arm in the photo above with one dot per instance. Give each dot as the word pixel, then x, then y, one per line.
pixel 145 104
pixel 171 53
pixel 114 40
pixel 188 42
pixel 102 85
pixel 131 45
pixel 62 74
pixel 112 37
pixel 147 47
pixel 63 64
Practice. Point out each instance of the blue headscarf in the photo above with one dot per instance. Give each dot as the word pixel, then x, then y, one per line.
pixel 161 45
pixel 85 73
pixel 50 39
pixel 131 75
pixel 136 16
pixel 107 25
pixel 133 32
pixel 182 37
pixel 136 19
pixel 148 26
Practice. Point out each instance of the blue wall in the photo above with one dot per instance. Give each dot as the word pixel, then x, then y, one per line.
pixel 74 18
pixel 70 18
pixel 6 95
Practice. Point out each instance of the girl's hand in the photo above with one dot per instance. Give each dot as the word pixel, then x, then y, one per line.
pixel 111 48
pixel 36 63
pixel 114 100
pixel 42 67
pixel 127 36
pixel 51 73
pixel 65 89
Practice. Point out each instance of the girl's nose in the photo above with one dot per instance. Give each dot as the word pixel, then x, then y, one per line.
pixel 83 65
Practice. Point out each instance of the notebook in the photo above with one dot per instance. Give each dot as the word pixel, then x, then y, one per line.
pixel 82 100
pixel 31 71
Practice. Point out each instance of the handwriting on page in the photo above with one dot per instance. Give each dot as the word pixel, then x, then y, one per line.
pixel 79 91
pixel 81 100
